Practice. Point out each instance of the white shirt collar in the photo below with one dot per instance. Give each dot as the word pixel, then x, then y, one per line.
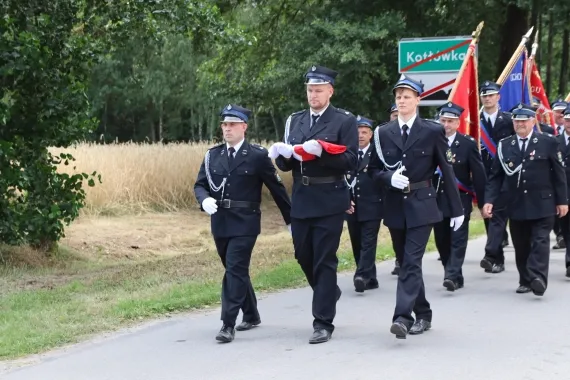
pixel 321 112
pixel 527 137
pixel 451 138
pixel 237 146
pixel 566 137
pixel 409 123
pixel 365 149
pixel 492 116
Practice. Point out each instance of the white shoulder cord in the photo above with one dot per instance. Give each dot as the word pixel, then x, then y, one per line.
pixel 209 177
pixel 287 128
pixel 508 171
pixel 397 165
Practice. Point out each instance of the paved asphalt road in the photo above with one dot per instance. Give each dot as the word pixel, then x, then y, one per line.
pixel 483 331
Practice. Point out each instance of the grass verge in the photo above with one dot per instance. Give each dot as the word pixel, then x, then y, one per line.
pixel 35 320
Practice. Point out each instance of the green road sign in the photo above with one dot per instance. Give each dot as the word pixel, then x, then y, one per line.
pixel 432 55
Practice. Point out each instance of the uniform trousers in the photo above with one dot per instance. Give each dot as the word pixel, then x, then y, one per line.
pixel 496 230
pixel 452 246
pixel 531 239
pixel 316 242
pixel 410 294
pixel 364 240
pixel 565 231
pixel 237 291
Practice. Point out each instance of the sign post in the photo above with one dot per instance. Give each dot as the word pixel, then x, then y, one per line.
pixel 433 61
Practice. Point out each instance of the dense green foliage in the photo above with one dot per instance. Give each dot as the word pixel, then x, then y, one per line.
pixel 156 70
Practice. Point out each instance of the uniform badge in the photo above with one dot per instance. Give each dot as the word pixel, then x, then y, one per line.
pixel 348 176
pixel 358 118
pixel 532 155
pixel 513 142
pixel 365 169
pixel 456 142
pixel 487 83
pixel 510 164
pixel 278 178
pixel 313 68
pixel 229 107
pixel 453 159
pixel 449 156
pixel 244 152
pixel 535 140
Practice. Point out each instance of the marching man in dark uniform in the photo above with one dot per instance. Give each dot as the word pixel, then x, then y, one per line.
pixel 495 125
pixel 530 165
pixel 416 147
pixel 321 196
pixel 365 214
pixel 558 108
pixel 564 141
pixel 470 178
pixel 228 188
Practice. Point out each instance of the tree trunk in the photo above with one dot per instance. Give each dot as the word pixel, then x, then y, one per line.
pixel 513 29
pixel 160 120
pixel 549 53
pixel 563 85
pixel 275 125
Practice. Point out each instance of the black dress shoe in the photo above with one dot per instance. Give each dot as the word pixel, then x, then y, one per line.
pixel 538 287
pixel 372 284
pixel 359 284
pixel 498 268
pixel 226 334
pixel 399 329
pixel 523 289
pixel 486 264
pixel 244 326
pixel 396 270
pixel 420 326
pixel 450 285
pixel 320 336
pixel 568 272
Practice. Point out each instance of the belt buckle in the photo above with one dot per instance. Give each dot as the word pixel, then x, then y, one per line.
pixel 226 203
pixel 406 189
pixel 305 180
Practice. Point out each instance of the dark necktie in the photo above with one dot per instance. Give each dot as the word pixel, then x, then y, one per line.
pixel 231 152
pixel 523 145
pixel 405 133
pixel 489 122
pixel 360 155
pixel 315 117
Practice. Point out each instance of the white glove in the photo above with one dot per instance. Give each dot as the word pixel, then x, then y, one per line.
pixel 313 147
pixel 398 180
pixel 209 205
pixel 280 148
pixel 457 222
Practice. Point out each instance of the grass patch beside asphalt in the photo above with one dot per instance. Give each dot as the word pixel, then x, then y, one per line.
pixel 33 320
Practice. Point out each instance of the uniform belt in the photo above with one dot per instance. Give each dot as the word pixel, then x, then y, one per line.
pixel 416 186
pixel 318 180
pixel 228 203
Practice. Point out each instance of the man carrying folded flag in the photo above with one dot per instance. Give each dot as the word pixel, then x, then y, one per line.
pixel 320 145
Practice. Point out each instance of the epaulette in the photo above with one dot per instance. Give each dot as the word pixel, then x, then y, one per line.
pixel 433 123
pixel 468 137
pixel 345 112
pixel 258 147
pixel 297 113
pixel 217 146
pixel 505 138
